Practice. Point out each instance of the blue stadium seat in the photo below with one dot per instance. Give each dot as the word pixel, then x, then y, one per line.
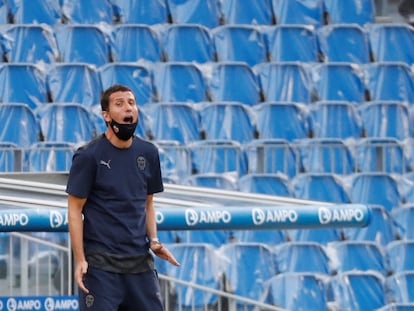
pixel 357 255
pixel 389 81
pixel 375 188
pixel 175 159
pixel 247 277
pixel 66 122
pixel 136 76
pixel 397 307
pixel 380 155
pixel 350 12
pixel 359 290
pixel 142 12
pixel 327 187
pixel 4 12
pixel 404 217
pixel 323 236
pixel 224 87
pixel 400 290
pixel 11 160
pixel 339 81
pixel 136 42
pixel 50 156
pixel 400 255
pixel 291 43
pixel 202 12
pixel 35 11
pixel 299 12
pixel 214 238
pixel 409 153
pixel 247 12
pixel 397 123
pixel 240 43
pixel 74 83
pixel 180 81
pixel 173 121
pixel 177 46
pixel 212 180
pixel 326 155
pixel 19 125
pixel 399 36
pixel 284 120
pixel 32 43
pixel 335 119
pixel 302 257
pixel 297 291
pixel 265 183
pixel 23 83
pixel 227 120
pixel 285 81
pixel 267 236
pixel 218 156
pixel 89 12
pixel 71 44
pixel 273 156
pixel 344 43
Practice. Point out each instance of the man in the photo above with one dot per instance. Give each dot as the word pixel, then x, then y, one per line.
pixel 111 213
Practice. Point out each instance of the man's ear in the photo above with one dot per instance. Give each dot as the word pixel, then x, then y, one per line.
pixel 106 116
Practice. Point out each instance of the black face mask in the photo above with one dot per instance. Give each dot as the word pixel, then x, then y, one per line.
pixel 123 131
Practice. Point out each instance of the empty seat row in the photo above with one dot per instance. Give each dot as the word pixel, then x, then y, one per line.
pixel 210 13
pixel 132 42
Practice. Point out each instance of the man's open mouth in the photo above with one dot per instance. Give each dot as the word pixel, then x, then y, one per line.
pixel 128 119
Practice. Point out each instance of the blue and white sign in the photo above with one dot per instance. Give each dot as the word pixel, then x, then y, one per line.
pixel 46 303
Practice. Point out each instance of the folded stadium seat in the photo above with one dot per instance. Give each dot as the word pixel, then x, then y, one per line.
pixel 173 121
pixel 409 153
pixel 273 156
pixel 400 290
pixel 142 12
pixel 339 81
pixel 136 76
pixel 240 43
pixel 214 238
pixel 335 119
pixel 326 187
pixel 34 11
pixel 323 236
pixel 404 217
pixel 88 12
pixel 247 12
pixel 358 290
pixel 266 183
pixel 269 237
pixel 396 124
pixel 302 257
pixel 400 255
pixel 135 42
pixel 180 81
pixel 299 12
pixel 23 83
pixel 399 36
pixel 224 87
pixel 381 155
pixel 297 291
pixel 357 255
pixel 50 156
pixel 227 120
pixel 212 180
pixel 249 266
pixel 285 81
pixel 66 122
pixel 72 48
pixel 4 12
pixel 19 125
pixel 291 43
pixel 74 83
pixel 389 81
pixel 31 43
pixel 326 155
pixel 175 158
pixel 350 12
pixel 177 46
pixel 376 188
pixel 344 43
pixel 11 159
pixel 381 229
pixel 218 156
pixel 203 267
pixel 285 120
pixel 202 12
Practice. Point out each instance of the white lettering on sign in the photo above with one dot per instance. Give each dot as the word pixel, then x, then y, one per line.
pixel 327 215
pixel 61 304
pixel 260 216
pixel 193 217
pixel 159 217
pixel 58 219
pixel 13 219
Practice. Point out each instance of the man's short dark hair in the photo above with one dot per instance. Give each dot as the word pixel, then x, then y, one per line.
pixel 112 89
